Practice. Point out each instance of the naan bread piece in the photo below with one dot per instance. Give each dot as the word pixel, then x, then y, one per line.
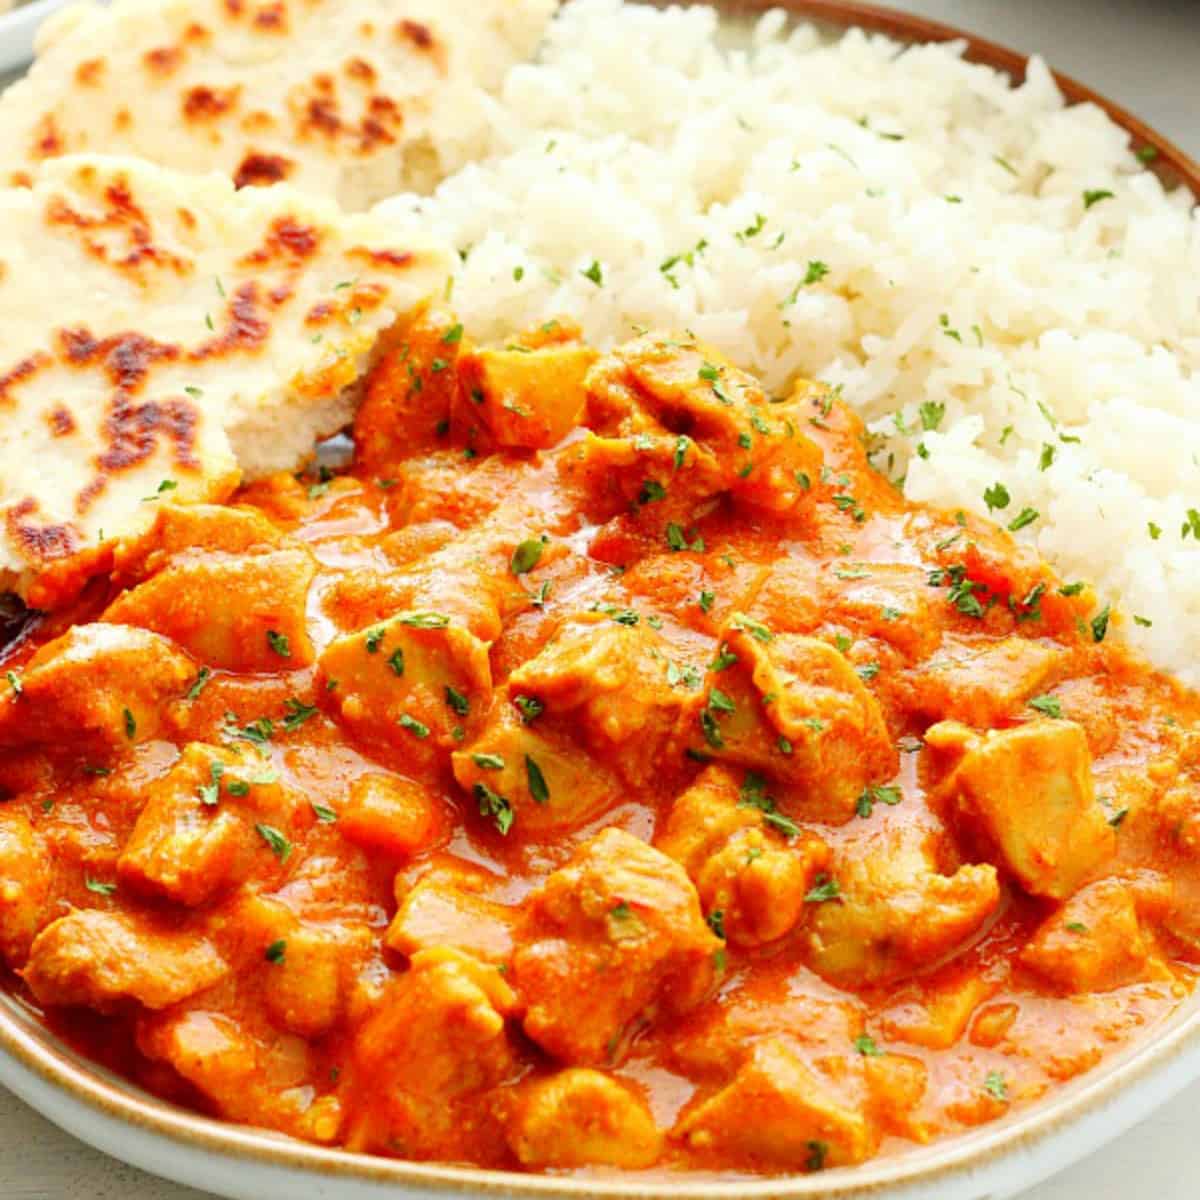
pixel 356 99
pixel 163 336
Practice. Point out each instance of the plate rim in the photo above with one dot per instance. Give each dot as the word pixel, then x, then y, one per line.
pixel 992 1162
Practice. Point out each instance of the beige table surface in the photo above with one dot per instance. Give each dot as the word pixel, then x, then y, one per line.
pixel 1145 54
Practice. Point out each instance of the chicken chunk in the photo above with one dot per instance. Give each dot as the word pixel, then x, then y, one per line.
pixel 1027 793
pixel 612 678
pixel 308 967
pixel 446 908
pixel 623 912
pixel 750 864
pixel 438 1038
pixel 980 686
pixel 178 528
pixel 100 960
pixel 580 1118
pixel 1094 943
pixel 540 774
pixel 245 1078
pixel 779 1112
pixel 693 390
pixel 411 392
pixel 24 886
pixel 101 684
pixel 389 814
pixel 406 685
pixel 894 913
pixel 793 707
pixel 264 629
pixel 195 834
pixel 526 398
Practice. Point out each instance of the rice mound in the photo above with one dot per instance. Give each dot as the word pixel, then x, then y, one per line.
pixel 1001 288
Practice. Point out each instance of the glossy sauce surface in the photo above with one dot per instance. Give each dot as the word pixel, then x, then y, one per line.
pixel 607 769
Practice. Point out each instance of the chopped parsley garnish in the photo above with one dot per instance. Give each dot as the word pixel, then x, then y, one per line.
pixel 130 725
pixel 1026 516
pixel 756 629
pixel 201 681
pixel 1050 706
pixel 210 793
pixel 530 708
pixel 258 732
pixel 537 782
pixel 867 1047
pixel 818 1153
pixel 719 702
pixel 238 787
pixel 14 682
pixel 1094 196
pixel 651 491
pixel 931 413
pixel 716 922
pixel 1071 589
pixel 996 1086
pixel 753 794
pixel 488 762
pixel 452 336
pixel 712 732
pixel 888 794
pixel 323 812
pixel 527 556
pixel 709 373
pixel 1047 458
pixel 279 844
pixel 396 661
pixel 374 638
pixel 417 728
pixel 1100 624
pixel 706 601
pixel 279 643
pixel 681 448
pixel 724 660
pixel 457 702
pixel 101 889
pixel 595 273
pixel 492 804
pixel 424 620
pixel 997 497
pixel 297 713
pixel 275 952
pixel 1076 927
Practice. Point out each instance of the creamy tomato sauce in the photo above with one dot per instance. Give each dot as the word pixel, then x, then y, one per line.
pixel 608 769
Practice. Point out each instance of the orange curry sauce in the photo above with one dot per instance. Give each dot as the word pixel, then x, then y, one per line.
pixel 610 769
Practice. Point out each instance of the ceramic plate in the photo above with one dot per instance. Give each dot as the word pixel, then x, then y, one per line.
pixel 992 1163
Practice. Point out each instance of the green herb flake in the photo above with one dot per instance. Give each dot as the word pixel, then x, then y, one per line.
pixel 527 556
pixel 824 890
pixel 867 1047
pixel 323 813
pixel 1094 196
pixel 457 702
pixel 1049 706
pixel 280 846
pixel 279 643
pixel 417 728
pixel 496 807
pixel 996 1086
pixel 130 725
pixel 101 889
pixel 275 952
pixel 538 788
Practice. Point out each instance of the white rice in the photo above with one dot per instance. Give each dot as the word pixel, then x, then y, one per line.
pixel 964 266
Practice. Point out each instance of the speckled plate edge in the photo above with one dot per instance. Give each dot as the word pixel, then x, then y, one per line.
pixel 992 1163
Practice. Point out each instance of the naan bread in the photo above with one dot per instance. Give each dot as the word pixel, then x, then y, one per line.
pixel 356 99
pixel 164 335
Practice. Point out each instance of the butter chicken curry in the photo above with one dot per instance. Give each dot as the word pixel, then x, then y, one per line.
pixel 609 769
